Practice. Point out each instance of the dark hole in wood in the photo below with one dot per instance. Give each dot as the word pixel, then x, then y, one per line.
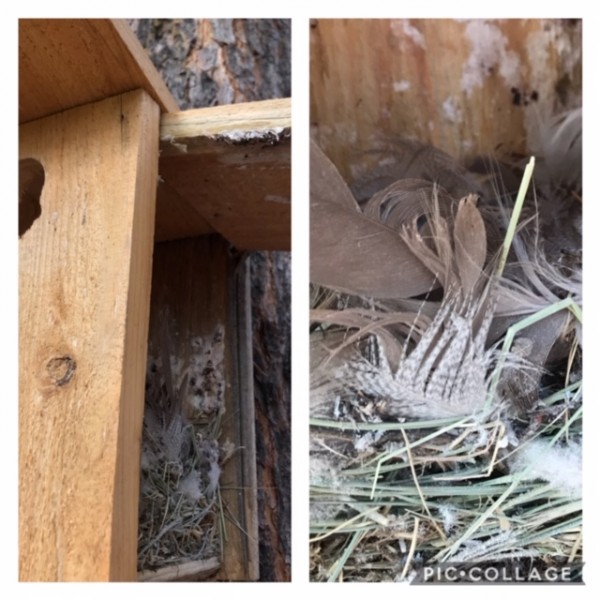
pixel 31 182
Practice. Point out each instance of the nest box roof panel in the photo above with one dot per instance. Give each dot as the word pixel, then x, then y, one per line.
pixel 222 169
pixel 65 63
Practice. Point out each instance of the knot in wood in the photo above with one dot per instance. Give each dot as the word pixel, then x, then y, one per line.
pixel 60 369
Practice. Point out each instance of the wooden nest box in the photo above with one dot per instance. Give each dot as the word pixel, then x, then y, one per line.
pixel 129 210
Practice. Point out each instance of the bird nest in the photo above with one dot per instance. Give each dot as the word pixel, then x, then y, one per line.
pixel 180 512
pixel 446 400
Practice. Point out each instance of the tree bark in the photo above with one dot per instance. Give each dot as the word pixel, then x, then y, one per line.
pixel 207 62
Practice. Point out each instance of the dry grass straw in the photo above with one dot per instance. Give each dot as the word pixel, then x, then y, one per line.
pixel 449 484
pixel 176 527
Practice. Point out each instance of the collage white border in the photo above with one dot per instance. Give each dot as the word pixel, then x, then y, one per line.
pixel 300 13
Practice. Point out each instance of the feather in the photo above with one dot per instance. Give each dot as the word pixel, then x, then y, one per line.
pixel 445 373
pixel 327 185
pixel 444 376
pixel 404 201
pixel 560 146
pixel 352 252
pixel 427 358
pixel 402 159
pixel 469 243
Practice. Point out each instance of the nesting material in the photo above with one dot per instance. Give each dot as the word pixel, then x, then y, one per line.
pixel 181 461
pixel 439 400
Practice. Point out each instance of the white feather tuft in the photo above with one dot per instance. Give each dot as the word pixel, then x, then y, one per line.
pixel 560 466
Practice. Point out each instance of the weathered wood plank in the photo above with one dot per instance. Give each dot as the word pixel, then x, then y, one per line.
pixel 193 571
pixel 468 86
pixel 232 119
pixel 65 63
pixel 196 290
pixel 239 488
pixel 84 287
pixel 230 166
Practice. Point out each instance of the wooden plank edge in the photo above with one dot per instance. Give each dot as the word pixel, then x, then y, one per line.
pixel 248 429
pixel 230 122
pixel 156 87
pixel 135 354
pixel 240 557
pixel 191 571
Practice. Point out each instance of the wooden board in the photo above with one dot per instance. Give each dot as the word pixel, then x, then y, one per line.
pixel 84 292
pixel 65 63
pixel 196 289
pixel 230 167
pixel 239 479
pixel 176 218
pixel 465 86
pixel 236 120
pixel 197 570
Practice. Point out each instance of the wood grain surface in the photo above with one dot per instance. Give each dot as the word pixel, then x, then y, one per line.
pixel 84 287
pixel 65 63
pixel 469 87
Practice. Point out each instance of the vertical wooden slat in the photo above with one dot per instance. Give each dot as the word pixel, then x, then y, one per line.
pixel 241 560
pixel 84 284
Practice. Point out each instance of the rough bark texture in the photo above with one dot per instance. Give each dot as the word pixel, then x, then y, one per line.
pixel 211 62
pixel 206 62
pixel 271 300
